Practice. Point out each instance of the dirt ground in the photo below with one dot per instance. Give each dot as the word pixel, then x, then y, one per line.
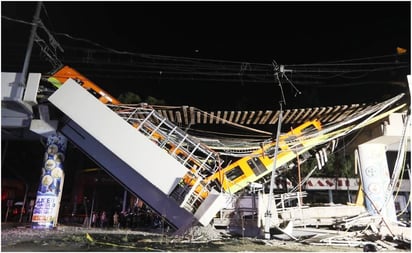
pixel 78 239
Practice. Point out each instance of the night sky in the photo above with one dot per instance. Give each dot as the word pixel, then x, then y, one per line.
pixel 236 42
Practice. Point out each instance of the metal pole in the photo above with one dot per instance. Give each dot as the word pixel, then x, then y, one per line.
pixel 24 202
pixel 36 19
pixel 86 219
pixel 92 208
pixel 124 201
pixel 268 214
pixel 299 177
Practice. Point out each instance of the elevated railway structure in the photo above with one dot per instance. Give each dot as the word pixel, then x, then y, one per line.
pixel 145 149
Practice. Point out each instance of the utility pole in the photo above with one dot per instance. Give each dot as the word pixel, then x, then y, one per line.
pixel 36 20
pixel 268 214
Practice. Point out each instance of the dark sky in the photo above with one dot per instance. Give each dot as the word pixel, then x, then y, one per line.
pixel 239 36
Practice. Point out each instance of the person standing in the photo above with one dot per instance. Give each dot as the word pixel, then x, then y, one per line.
pixel 103 220
pixel 94 219
pixel 116 220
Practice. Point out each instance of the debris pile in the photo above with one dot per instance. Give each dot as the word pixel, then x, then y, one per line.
pixel 199 234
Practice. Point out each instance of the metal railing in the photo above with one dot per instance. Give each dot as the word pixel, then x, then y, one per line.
pixel 200 160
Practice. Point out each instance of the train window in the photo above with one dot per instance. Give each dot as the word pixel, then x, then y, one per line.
pixel 270 152
pixel 94 93
pixel 180 157
pixel 309 129
pixel 294 143
pixel 216 185
pixel 192 164
pixel 78 80
pixel 257 166
pixel 290 139
pixel 234 173
pixel 168 146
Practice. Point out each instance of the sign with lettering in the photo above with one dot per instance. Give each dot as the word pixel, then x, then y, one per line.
pixel 46 207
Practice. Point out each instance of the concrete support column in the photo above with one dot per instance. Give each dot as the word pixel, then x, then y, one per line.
pixel 49 193
pixel 375 180
pixel 330 194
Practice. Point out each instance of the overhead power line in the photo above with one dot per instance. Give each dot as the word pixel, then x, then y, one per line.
pixel 152 66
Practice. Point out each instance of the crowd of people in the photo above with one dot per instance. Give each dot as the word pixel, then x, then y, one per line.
pixel 132 218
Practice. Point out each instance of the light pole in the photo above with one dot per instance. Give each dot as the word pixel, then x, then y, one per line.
pixel 36 20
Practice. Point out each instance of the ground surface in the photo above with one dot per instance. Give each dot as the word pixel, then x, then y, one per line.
pixel 68 238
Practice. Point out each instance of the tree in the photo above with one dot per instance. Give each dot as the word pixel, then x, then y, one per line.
pixel 154 101
pixel 133 98
pixel 129 98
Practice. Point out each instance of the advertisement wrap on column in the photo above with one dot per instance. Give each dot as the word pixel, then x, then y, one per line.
pixel 375 180
pixel 46 209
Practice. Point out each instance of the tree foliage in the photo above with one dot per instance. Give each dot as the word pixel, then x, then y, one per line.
pixel 155 101
pixel 133 98
pixel 130 98
pixel 337 165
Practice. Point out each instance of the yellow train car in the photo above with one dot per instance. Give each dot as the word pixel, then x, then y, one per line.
pixel 248 169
